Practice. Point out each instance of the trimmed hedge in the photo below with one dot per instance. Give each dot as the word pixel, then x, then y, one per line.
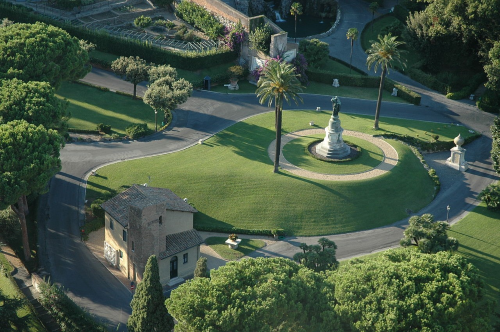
pixel 429 146
pixel 137 130
pixel 489 102
pixel 468 90
pixel 125 47
pixel 327 77
pixel 428 80
pixel 83 131
pixel 231 230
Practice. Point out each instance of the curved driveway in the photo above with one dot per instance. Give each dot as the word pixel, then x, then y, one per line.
pixel 92 287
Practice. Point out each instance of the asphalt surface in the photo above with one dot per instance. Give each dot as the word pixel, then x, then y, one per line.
pixel 72 265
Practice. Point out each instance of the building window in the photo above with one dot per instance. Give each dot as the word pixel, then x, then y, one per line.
pixel 111 226
pixel 121 254
pixel 133 246
pixel 160 220
pixel 185 258
pixel 124 235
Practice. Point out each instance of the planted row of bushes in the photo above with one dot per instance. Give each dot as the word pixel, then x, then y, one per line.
pixel 200 18
pixel 430 146
pixel 327 77
pixel 231 230
pixel 428 80
pixel 465 92
pixel 83 131
pixel 125 47
pixel 65 312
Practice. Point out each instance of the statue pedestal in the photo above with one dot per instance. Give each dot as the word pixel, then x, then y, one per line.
pixel 457 159
pixel 333 145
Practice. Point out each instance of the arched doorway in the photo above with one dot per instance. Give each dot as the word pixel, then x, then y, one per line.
pixel 173 267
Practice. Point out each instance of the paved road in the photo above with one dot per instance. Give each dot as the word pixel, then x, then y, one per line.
pixel 89 283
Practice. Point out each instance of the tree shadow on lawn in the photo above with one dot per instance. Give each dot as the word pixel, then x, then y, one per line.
pixel 248 141
pixel 317 184
pixel 202 220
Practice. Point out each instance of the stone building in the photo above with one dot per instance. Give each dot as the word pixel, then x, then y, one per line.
pixel 144 221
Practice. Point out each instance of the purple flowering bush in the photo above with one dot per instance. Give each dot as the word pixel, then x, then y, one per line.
pixel 234 37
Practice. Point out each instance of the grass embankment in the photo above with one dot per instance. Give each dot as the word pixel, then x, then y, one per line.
pixel 245 247
pixel 296 153
pixel 479 237
pixel 230 180
pixel 90 106
pixel 11 292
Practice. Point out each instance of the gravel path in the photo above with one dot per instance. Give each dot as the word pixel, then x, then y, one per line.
pixel 390 157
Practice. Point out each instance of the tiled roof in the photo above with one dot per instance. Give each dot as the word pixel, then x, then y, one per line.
pixel 179 242
pixel 141 197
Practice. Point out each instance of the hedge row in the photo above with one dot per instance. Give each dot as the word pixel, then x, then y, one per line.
pixel 125 47
pixel 65 312
pixel 359 71
pixel 83 131
pixel 428 80
pixel 476 81
pixel 327 77
pixel 235 230
pixel 430 146
pixel 489 102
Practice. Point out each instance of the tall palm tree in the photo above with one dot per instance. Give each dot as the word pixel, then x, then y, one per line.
pixel 373 8
pixel 277 82
pixel 383 53
pixel 296 10
pixel 352 34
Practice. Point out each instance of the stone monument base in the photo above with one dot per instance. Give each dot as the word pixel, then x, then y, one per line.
pixel 332 151
pixel 457 159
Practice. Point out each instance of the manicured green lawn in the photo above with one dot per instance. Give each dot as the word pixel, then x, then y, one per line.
pixel 245 247
pixel 10 290
pixel 296 153
pixel 230 181
pixel 479 237
pixel 337 67
pixel 90 106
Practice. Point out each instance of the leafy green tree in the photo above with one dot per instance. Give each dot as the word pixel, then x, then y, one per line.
pixel 383 53
pixel 320 257
pixel 143 21
pixel 201 270
pixel 352 34
pixel 429 236
pixel 157 72
pixel 404 290
pixel 495 151
pixel 41 52
pixel 165 93
pixel 149 313
pixel 32 101
pixel 263 294
pixel 491 196
pixel 278 81
pixel 315 51
pixel 260 38
pixel 29 157
pixel 492 68
pixel 296 10
pixel 133 69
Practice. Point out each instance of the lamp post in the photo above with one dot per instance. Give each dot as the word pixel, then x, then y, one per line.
pixel 447 213
pixel 156 123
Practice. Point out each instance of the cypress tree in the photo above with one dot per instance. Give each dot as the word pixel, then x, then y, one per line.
pixel 201 270
pixel 148 305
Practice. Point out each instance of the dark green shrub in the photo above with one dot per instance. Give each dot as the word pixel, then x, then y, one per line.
pixel 491 196
pixel 69 316
pixel 200 18
pixel 395 28
pixel 401 13
pixel 315 51
pixel 101 63
pixel 489 101
pixel 464 93
pixel 97 210
pixel 495 151
pixel 260 38
pixel 143 21
pixel 191 37
pixel 137 130
pixel 427 80
pixel 83 131
pixel 104 128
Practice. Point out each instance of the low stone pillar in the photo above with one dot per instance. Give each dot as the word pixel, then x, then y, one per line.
pixel 457 158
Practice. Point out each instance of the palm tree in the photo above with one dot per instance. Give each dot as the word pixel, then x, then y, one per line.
pixel 296 10
pixel 373 8
pixel 277 82
pixel 352 34
pixel 383 53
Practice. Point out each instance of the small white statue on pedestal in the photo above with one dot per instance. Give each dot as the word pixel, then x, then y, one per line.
pixel 335 83
pixel 457 158
pixel 394 92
